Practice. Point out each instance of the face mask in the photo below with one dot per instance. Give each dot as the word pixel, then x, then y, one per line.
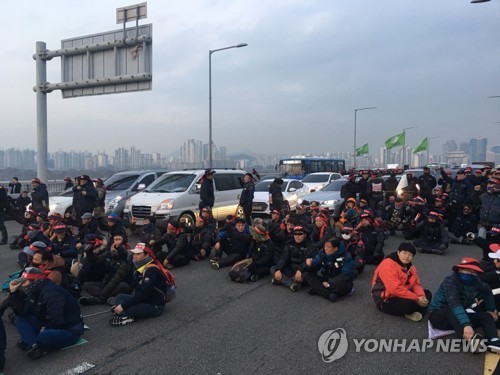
pixel 346 236
pixel 467 279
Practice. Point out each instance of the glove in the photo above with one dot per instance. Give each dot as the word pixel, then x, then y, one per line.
pixel 470 236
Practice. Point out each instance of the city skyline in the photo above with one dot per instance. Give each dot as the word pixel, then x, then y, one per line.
pixel 193 153
pixel 426 65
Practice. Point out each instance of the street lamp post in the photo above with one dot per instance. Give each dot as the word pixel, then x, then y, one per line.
pixel 429 147
pixel 355 116
pixel 210 141
pixel 404 144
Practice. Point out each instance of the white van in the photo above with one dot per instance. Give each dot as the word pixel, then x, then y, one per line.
pixel 176 195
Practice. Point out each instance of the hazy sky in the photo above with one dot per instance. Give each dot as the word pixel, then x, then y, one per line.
pixel 294 88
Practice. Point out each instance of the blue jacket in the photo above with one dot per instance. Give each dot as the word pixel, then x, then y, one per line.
pixel 459 297
pixel 149 287
pixel 332 265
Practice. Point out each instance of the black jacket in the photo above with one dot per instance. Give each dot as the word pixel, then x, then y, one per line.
pixel 295 255
pixel 54 306
pixel 246 197
pixel 207 194
pixel 85 202
pixel 149 287
pixel 40 198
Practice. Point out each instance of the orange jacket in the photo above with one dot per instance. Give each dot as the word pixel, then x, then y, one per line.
pixel 392 280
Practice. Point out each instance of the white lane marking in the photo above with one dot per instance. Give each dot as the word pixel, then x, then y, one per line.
pixel 80 369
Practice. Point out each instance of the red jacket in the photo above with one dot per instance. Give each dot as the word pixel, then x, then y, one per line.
pixel 392 280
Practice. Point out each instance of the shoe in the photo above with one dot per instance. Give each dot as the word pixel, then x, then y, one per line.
pixel 88 301
pixel 12 318
pixel 295 287
pixel 275 282
pixel 3 242
pixel 22 345
pixel 111 301
pixel 36 352
pixel 351 292
pixel 494 346
pixel 333 297
pixel 254 278
pixel 475 343
pixel 460 240
pixel 311 292
pixel 169 266
pixel 415 316
pixel 437 251
pixel 215 266
pixel 423 251
pixel 117 321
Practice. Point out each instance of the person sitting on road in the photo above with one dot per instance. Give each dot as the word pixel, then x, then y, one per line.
pixel 354 246
pixel 109 272
pixel 153 287
pixel 47 316
pixel 372 237
pixel 114 225
pixel 292 264
pixel 330 272
pixel 234 241
pixel 88 226
pixel 463 224
pixel 260 260
pixel 64 244
pixel 34 239
pixel 26 221
pixel 492 237
pixel 433 236
pixel 396 287
pixel 178 248
pixel 52 265
pixel 148 233
pixel 203 239
pixel 450 308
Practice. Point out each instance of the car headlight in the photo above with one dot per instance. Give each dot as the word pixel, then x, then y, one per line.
pixel 114 202
pixel 167 204
pixel 330 202
pixel 55 206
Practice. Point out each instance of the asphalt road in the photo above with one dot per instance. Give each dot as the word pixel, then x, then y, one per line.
pixel 215 326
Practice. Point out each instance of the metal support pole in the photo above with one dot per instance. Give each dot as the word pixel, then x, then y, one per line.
pixel 210 109
pixel 354 152
pixel 41 112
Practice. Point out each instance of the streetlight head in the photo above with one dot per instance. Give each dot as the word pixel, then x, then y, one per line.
pixel 241 45
pixel 479 1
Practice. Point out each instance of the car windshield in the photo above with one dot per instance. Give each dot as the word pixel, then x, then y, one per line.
pixel 172 183
pixel 335 185
pixel 316 178
pixel 120 182
pixel 264 185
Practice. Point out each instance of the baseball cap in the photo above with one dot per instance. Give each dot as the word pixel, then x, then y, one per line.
pixel 86 215
pixel 30 273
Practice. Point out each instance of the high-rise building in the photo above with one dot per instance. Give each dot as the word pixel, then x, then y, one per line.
pixel 450 146
pixel 477 148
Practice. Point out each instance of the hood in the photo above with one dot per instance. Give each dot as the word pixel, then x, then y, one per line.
pixel 57 262
pixel 152 198
pixel 394 257
pixel 322 196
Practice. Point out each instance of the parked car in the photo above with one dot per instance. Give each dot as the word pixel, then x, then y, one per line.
pixel 176 195
pixel 123 185
pixel 292 191
pixel 318 180
pixel 329 196
pixel 61 203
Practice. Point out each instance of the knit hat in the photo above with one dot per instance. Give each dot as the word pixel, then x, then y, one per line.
pixel 30 273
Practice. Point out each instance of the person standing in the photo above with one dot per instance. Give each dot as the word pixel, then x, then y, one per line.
pixel 39 196
pixel 4 204
pixel 86 196
pixel 427 183
pixel 246 197
pixel 14 186
pixel 207 193
pixel 276 195
pixel 68 183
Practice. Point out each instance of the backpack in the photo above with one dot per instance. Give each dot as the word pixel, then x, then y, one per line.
pixel 169 280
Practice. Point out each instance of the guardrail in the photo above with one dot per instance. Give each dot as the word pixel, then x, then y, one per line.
pixel 53 186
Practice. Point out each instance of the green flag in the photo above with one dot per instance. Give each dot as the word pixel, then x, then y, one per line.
pixel 363 150
pixel 397 140
pixel 422 146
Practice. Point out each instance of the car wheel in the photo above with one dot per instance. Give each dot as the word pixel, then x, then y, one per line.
pixel 187 219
